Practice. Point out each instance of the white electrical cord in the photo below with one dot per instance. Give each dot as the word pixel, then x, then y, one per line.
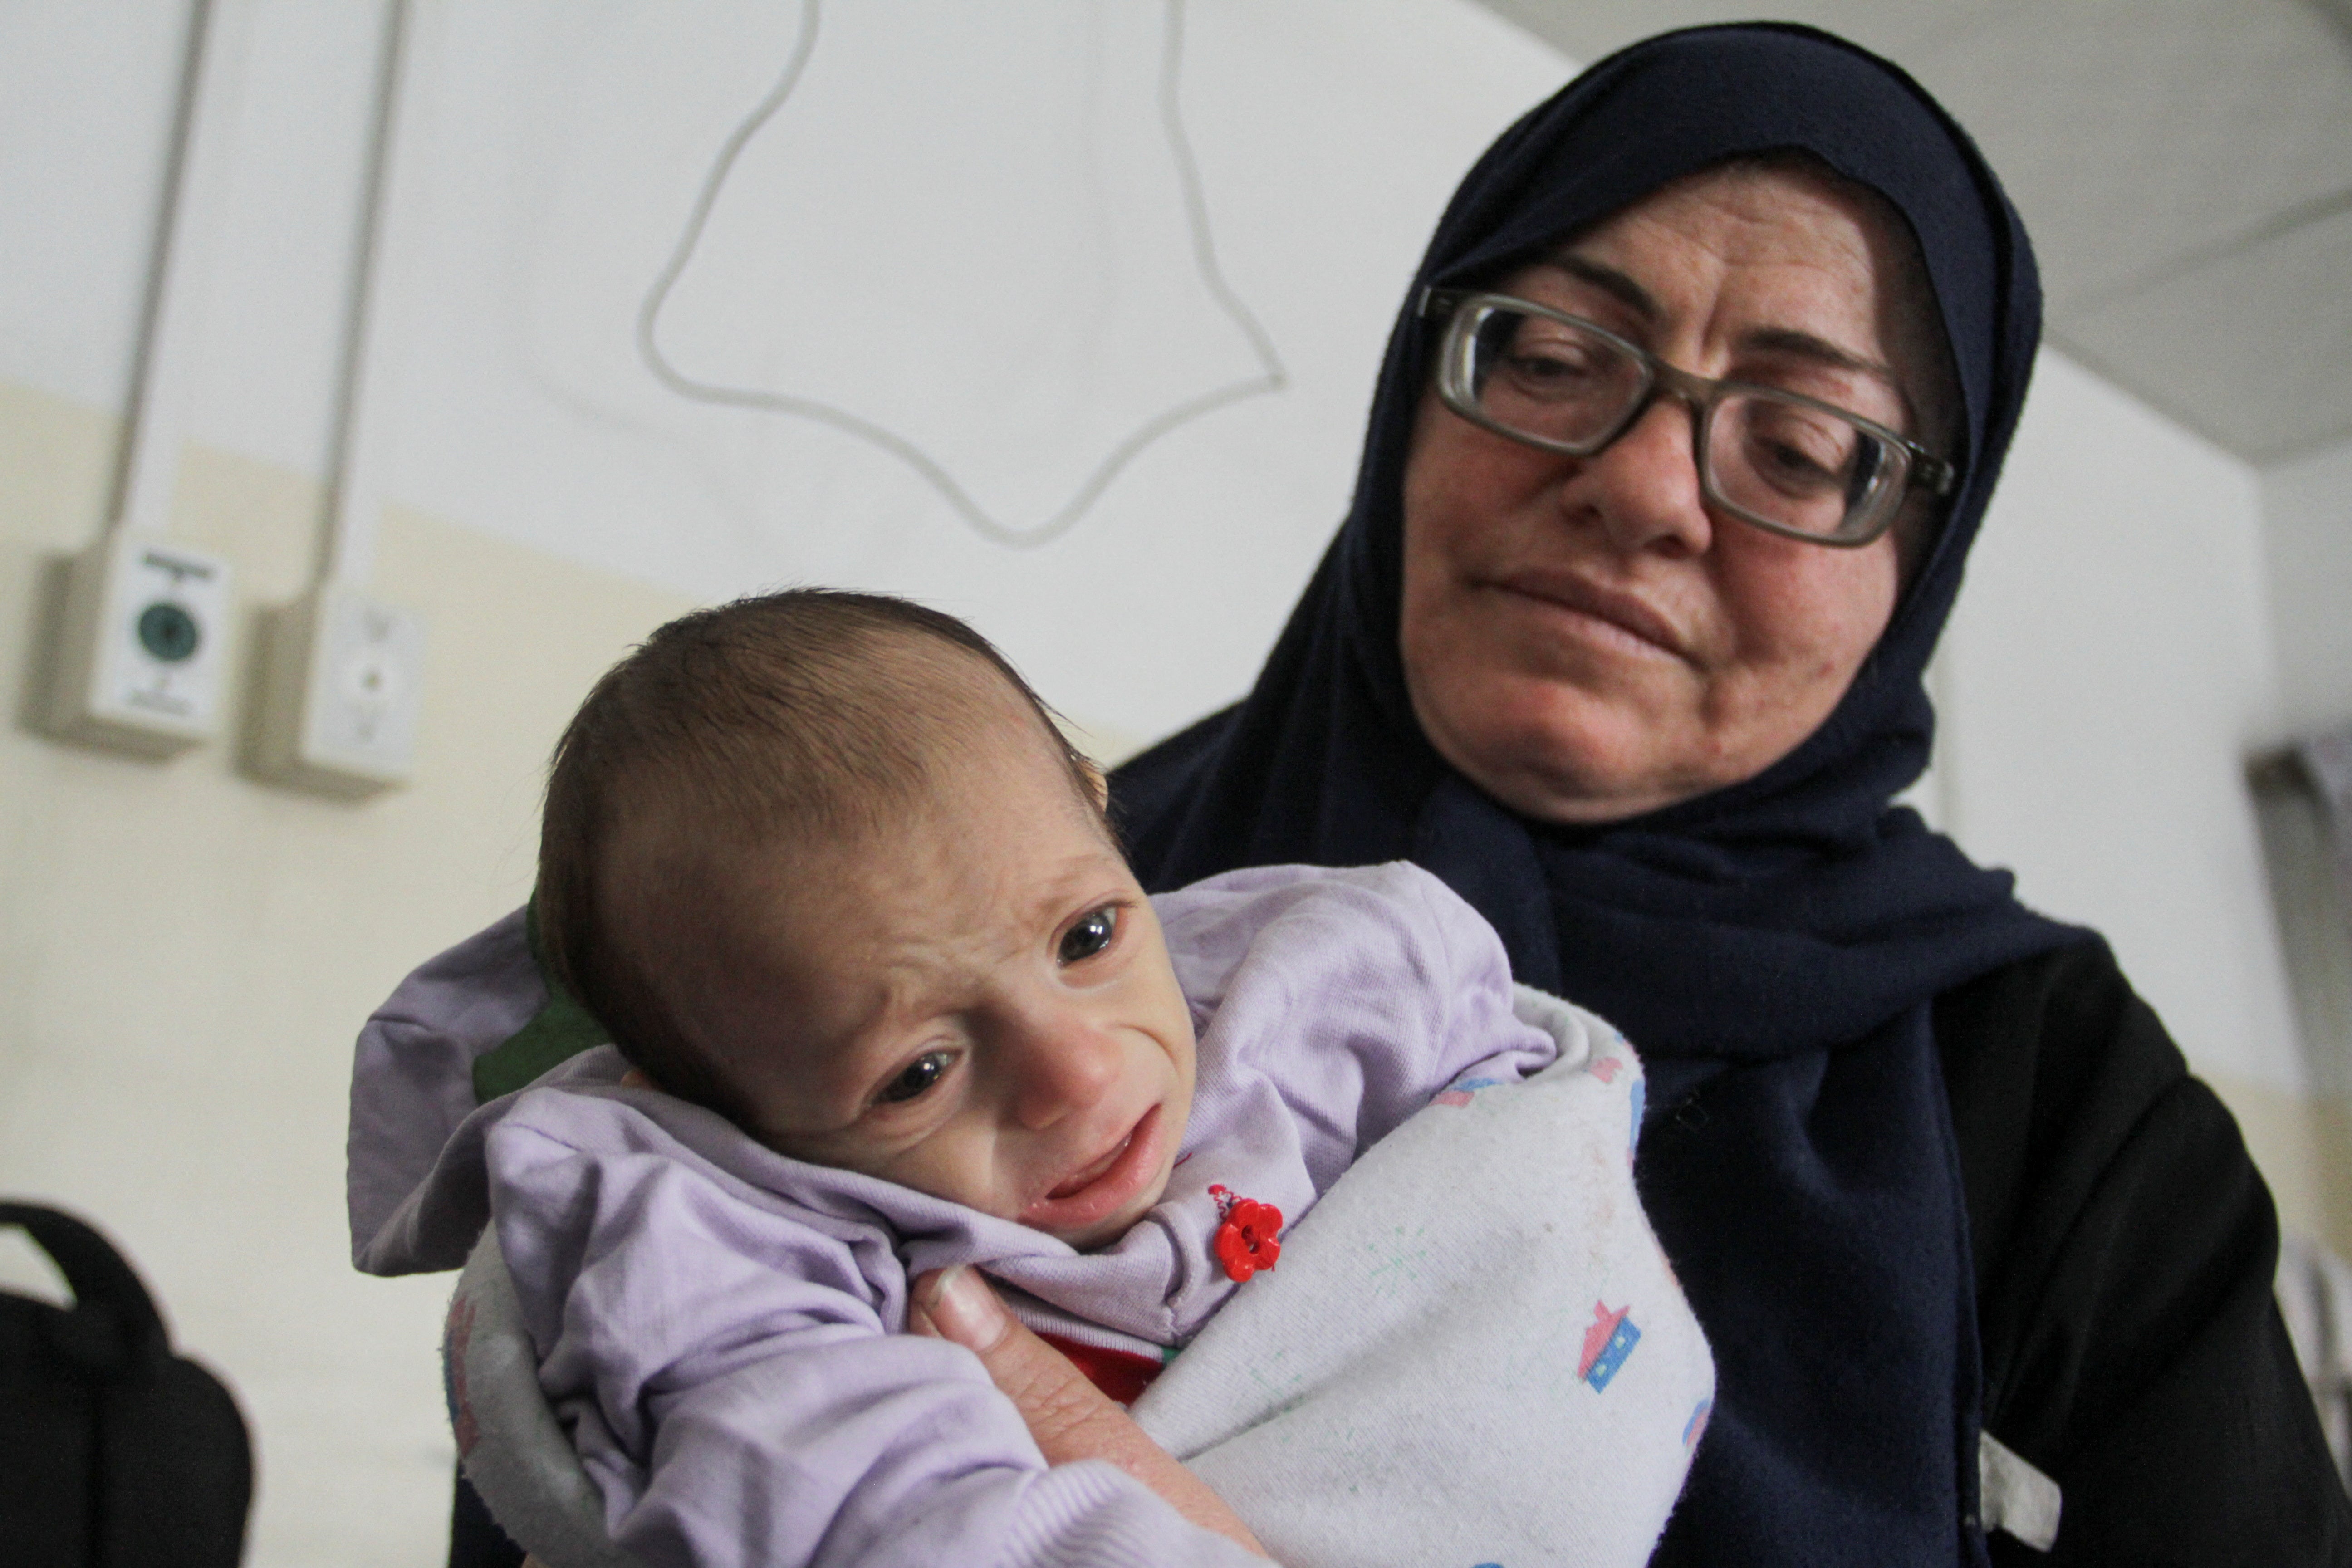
pixel 353 463
pixel 1273 377
pixel 149 461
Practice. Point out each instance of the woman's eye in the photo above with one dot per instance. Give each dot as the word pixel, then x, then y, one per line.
pixel 1089 936
pixel 1793 463
pixel 921 1073
pixel 1552 366
pixel 1793 450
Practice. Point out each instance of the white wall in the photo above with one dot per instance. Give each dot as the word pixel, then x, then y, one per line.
pixel 2106 673
pixel 2307 513
pixel 1015 312
pixel 2307 516
pixel 86 98
pixel 76 233
pixel 552 150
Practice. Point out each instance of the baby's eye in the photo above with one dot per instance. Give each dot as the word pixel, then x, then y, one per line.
pixel 1089 936
pixel 921 1073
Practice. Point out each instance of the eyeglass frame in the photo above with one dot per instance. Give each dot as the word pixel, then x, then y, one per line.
pixel 1701 394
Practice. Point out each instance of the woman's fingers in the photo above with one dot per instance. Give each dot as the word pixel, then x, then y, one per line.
pixel 1070 1418
pixel 957 1304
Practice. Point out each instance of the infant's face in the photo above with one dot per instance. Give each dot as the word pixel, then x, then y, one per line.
pixel 975 1000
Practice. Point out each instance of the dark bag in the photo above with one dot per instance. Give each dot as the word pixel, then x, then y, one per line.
pixel 114 1453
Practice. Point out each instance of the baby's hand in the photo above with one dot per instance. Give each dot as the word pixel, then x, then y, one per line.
pixel 635 1078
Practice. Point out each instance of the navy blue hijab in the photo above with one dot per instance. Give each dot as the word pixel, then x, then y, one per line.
pixel 1773 948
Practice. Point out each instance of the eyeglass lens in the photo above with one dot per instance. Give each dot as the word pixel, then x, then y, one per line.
pixel 1789 463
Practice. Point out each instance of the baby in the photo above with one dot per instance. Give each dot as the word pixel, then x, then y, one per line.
pixel 884 998
pixel 821 864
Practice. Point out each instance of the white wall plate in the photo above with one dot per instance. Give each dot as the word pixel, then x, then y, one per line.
pixel 341 687
pixel 142 641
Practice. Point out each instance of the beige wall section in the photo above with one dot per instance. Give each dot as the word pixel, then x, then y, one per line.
pixel 185 955
pixel 2305 1150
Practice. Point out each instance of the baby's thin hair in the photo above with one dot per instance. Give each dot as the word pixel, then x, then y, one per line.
pixel 811 711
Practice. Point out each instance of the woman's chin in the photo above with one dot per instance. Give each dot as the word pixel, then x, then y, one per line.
pixel 1559 752
pixel 1582 801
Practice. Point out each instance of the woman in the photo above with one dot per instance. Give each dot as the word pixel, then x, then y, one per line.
pixel 1926 1165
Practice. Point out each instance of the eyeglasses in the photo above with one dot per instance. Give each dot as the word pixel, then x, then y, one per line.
pixel 1789 464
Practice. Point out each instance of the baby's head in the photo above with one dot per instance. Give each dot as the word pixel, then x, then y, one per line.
pixel 822 863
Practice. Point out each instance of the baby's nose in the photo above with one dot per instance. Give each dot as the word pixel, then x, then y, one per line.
pixel 1063 1065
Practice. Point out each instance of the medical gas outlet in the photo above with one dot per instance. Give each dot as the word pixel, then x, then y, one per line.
pixel 142 639
pixel 344 683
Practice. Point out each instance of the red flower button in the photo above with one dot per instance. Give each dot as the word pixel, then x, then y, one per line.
pixel 1246 1242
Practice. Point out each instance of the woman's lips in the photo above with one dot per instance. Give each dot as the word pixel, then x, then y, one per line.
pixel 1615 607
pixel 1103 1185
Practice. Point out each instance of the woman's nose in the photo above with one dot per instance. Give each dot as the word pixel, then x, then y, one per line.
pixel 1643 487
pixel 1061 1062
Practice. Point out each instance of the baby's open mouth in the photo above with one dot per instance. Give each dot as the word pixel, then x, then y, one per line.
pixel 1105 1184
pixel 1080 1180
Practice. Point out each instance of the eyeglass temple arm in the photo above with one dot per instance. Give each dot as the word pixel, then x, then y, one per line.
pixel 1932 473
pixel 1436 303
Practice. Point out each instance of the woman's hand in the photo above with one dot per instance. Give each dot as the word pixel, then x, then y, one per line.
pixel 1070 1418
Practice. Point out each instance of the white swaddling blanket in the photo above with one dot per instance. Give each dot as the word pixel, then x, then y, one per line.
pixel 1467 1355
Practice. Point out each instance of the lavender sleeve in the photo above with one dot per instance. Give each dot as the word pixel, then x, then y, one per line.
pixel 726 1363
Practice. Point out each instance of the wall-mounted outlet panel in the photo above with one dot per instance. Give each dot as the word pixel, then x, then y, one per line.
pixel 344 679
pixel 144 633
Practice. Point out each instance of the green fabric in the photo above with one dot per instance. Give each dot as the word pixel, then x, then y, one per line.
pixel 558 1031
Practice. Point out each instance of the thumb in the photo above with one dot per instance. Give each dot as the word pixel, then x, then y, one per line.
pixel 1070 1418
pixel 1063 1408
pixel 956 1304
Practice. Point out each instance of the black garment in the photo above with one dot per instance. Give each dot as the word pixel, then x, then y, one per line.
pixel 1774 949
pixel 2124 1248
pixel 474 1539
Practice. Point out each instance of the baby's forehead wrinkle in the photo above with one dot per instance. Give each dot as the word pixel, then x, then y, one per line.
pixel 940 944
pixel 980 914
pixel 883 931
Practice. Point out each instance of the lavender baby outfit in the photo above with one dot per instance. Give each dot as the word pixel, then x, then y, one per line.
pixel 718 1325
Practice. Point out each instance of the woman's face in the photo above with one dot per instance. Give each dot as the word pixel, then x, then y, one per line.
pixel 1588 639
